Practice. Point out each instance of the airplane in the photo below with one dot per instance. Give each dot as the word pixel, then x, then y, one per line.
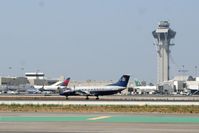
pixel 54 87
pixel 144 89
pixel 97 91
pixel 192 89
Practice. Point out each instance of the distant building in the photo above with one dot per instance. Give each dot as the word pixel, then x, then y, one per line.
pixel 33 78
pixel 193 86
pixel 14 81
pixel 178 85
pixel 36 78
pixel 35 75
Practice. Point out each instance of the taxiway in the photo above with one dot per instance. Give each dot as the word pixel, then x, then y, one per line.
pixel 97 123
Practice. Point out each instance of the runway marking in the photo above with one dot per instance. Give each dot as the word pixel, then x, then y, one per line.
pixel 104 118
pixel 99 117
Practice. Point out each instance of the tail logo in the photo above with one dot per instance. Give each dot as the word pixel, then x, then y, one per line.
pixel 65 83
pixel 123 79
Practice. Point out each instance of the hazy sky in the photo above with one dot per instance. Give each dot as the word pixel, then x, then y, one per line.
pixel 95 39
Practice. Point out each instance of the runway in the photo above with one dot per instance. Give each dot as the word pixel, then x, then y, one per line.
pixel 39 97
pixel 97 123
pixel 88 102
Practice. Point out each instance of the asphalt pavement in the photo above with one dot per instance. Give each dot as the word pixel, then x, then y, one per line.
pixel 98 123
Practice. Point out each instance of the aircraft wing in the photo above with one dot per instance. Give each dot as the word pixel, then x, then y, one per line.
pixel 82 93
pixel 86 93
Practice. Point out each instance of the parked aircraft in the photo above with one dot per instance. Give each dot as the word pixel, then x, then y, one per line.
pixel 97 90
pixel 192 89
pixel 150 89
pixel 54 87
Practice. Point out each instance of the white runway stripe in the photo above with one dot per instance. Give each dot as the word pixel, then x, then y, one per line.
pixel 99 117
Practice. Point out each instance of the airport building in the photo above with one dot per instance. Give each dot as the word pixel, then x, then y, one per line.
pixel 15 84
pixel 36 78
pixel 179 85
pixel 35 75
pixel 14 81
pixel 163 35
pixel 30 78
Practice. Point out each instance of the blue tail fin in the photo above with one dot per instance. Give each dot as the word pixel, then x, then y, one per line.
pixel 123 81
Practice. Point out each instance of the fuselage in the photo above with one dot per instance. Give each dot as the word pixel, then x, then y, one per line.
pixel 53 87
pixel 93 90
pixel 47 88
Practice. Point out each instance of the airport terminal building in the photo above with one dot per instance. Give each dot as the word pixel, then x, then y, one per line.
pixel 30 78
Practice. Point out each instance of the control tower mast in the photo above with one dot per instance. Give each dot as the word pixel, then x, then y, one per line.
pixel 163 34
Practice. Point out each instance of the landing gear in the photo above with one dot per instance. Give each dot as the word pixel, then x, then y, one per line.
pixel 97 97
pixel 66 97
pixel 87 98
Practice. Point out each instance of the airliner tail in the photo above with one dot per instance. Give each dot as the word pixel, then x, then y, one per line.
pixel 66 81
pixel 123 81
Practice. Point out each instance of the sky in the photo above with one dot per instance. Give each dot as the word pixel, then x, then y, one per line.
pixel 95 39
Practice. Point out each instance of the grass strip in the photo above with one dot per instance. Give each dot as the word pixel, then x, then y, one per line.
pixel 103 108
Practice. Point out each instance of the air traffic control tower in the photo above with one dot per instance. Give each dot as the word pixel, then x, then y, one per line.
pixel 163 34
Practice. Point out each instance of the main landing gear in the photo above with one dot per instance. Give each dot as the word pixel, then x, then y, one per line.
pixel 66 97
pixel 87 98
pixel 97 97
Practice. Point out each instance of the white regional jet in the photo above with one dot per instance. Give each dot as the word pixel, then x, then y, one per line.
pixel 97 90
pixel 54 87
